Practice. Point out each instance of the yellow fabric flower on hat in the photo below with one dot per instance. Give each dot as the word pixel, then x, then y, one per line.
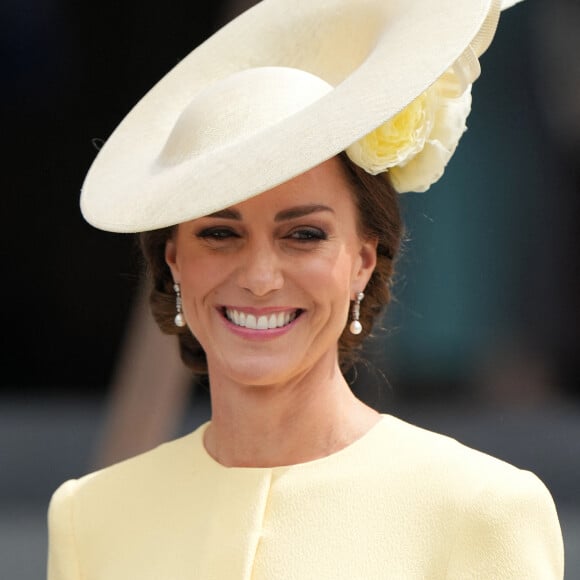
pixel 397 141
pixel 415 145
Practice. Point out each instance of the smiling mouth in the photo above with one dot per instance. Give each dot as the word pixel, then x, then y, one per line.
pixel 262 322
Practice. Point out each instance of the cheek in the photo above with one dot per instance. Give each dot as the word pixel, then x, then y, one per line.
pixel 329 275
pixel 199 275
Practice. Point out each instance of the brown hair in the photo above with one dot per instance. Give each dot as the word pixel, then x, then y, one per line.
pixel 379 218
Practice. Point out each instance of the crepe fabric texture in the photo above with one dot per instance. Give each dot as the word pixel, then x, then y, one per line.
pixel 399 503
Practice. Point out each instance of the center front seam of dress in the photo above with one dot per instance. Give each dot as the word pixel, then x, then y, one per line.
pixel 237 500
pixel 261 529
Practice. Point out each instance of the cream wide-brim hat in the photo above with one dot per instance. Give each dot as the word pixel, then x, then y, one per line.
pixel 280 89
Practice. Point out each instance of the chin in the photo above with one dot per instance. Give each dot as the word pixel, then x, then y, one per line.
pixel 258 373
pixel 268 370
pixel 258 370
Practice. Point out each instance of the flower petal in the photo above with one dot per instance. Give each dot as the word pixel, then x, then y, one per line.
pixel 423 170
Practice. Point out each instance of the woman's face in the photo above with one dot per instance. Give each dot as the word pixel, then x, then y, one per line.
pixel 266 284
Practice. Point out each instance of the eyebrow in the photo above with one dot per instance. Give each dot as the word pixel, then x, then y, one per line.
pixel 285 214
pixel 300 211
pixel 228 214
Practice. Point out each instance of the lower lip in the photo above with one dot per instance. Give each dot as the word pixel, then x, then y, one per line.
pixel 253 334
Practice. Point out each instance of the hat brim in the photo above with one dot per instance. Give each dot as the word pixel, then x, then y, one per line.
pixel 379 55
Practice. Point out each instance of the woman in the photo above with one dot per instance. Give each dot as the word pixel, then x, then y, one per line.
pixel 262 172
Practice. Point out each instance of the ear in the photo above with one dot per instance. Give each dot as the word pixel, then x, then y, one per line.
pixel 171 258
pixel 365 265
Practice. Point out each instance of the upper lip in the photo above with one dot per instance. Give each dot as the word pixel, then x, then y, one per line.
pixel 260 311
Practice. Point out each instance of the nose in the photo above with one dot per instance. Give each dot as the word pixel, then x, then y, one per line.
pixel 259 269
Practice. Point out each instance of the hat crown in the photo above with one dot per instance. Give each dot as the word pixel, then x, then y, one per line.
pixel 238 107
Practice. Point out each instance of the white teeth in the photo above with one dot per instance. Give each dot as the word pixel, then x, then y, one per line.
pixel 263 322
pixel 280 319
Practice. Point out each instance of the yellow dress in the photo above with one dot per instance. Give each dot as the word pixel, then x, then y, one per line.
pixel 399 503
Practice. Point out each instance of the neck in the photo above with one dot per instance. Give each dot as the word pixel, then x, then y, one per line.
pixel 265 426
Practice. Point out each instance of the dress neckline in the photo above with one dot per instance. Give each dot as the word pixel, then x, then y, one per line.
pixel 204 457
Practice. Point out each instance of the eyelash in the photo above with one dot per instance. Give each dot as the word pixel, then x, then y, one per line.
pixel 217 234
pixel 308 234
pixel 304 234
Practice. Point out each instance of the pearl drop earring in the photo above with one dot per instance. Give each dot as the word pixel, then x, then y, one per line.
pixel 179 320
pixel 355 326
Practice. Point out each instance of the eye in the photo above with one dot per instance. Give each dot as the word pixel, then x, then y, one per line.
pixel 308 234
pixel 216 234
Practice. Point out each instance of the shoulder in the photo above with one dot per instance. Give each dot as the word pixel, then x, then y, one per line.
pixel 440 454
pixel 443 464
pixel 146 473
pixel 457 476
pixel 125 504
pixel 502 520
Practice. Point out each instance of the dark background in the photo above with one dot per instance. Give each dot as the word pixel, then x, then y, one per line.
pixel 73 70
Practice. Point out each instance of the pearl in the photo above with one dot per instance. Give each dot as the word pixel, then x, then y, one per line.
pixel 179 320
pixel 355 327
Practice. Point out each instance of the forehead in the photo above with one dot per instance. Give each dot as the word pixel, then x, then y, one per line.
pixel 325 184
